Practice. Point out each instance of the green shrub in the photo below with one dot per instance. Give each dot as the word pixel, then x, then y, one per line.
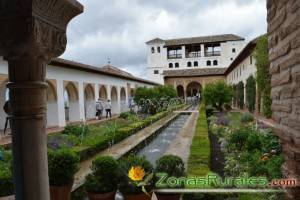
pixel 6 180
pixel 217 94
pixel 6 175
pixel 125 184
pixel 240 94
pixel 104 176
pixel 63 164
pixel 247 117
pixel 251 93
pixel 239 137
pixel 76 130
pixel 171 165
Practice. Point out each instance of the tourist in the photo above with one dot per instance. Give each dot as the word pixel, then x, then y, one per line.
pixel 99 109
pixel 108 108
pixel 8 111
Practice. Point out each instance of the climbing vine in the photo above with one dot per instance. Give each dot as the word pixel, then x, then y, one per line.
pixel 263 77
pixel 250 93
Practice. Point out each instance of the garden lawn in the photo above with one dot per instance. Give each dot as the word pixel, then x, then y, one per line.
pixel 199 159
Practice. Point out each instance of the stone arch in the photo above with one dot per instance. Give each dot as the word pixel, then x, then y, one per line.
pixel 71 100
pixel 3 98
pixel 52 104
pixel 180 91
pixel 103 93
pixel 114 100
pixel 123 99
pixel 89 102
pixel 193 88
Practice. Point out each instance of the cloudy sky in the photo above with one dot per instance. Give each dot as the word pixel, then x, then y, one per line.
pixel 118 29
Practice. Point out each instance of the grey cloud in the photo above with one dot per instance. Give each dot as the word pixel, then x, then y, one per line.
pixel 119 28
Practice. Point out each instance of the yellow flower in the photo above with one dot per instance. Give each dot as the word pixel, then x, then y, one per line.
pixel 136 173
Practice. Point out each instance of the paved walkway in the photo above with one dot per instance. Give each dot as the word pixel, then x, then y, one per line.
pixel 180 146
pixel 5 140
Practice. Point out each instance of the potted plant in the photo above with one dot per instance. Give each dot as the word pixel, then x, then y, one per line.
pixel 173 166
pixel 63 164
pixel 102 183
pixel 6 176
pixel 136 178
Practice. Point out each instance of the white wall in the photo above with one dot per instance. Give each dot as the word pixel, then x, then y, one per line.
pixel 242 71
pixel 78 109
pixel 160 61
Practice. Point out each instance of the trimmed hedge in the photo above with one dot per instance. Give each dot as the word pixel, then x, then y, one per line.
pixel 199 159
pixel 120 134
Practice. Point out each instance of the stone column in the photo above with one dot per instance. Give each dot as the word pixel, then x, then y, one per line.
pixel 96 91
pixel 35 32
pixel 61 103
pixel 81 101
pixel 284 54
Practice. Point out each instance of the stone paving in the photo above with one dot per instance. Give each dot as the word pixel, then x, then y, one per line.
pixel 180 146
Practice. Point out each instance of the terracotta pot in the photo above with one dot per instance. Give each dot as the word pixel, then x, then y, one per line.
pixel 61 192
pixel 137 197
pixel 8 198
pixel 104 196
pixel 168 196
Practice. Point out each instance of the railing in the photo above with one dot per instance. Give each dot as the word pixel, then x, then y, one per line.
pixel 214 53
pixel 193 54
pixel 174 56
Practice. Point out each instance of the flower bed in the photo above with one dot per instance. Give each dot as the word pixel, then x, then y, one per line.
pixel 250 151
pixel 89 140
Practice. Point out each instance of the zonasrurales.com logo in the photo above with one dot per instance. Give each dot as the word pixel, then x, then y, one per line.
pixel 215 181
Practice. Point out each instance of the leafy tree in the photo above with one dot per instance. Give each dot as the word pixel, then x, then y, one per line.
pixel 154 93
pixel 263 77
pixel 217 94
pixel 251 93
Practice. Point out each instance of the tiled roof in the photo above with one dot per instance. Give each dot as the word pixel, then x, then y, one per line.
pixel 197 40
pixel 116 70
pixel 156 40
pixel 106 70
pixel 194 72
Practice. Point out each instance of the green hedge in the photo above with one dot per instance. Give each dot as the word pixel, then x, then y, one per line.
pixel 199 159
pixel 120 134
pixel 251 93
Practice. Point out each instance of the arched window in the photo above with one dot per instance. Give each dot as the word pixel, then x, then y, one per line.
pixel 176 65
pixel 158 49
pixel 195 64
pixel 170 65
pixel 189 64
pixel 215 62
pixel 208 63
pixel 152 50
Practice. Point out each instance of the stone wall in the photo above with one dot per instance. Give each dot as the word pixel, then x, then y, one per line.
pixel 284 53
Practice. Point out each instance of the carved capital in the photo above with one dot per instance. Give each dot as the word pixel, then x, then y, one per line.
pixel 35 27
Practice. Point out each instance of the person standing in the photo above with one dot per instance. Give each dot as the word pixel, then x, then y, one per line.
pixel 7 109
pixel 99 109
pixel 108 108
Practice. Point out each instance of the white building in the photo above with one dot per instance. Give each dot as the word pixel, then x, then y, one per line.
pixel 242 67
pixel 75 87
pixel 216 51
